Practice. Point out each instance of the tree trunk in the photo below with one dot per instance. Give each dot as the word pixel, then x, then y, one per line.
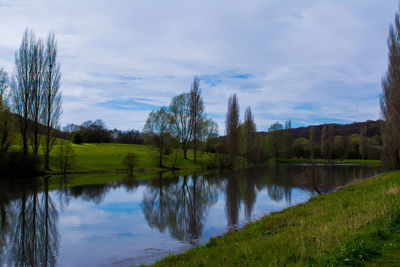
pixel 194 151
pixel 185 149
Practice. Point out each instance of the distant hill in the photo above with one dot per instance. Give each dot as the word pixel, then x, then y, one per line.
pixel 373 128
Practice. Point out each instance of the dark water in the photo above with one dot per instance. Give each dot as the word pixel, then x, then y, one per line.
pixel 136 222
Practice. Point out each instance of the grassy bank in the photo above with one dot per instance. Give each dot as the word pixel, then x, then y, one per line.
pixel 334 161
pixel 357 225
pixel 108 158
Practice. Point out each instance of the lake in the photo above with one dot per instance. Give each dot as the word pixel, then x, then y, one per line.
pixel 135 222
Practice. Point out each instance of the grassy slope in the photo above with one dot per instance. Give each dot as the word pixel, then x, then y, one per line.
pixel 108 158
pixel 357 225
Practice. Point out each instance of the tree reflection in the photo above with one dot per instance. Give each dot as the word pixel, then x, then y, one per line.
pixel 232 204
pixel 35 235
pixel 180 206
pixel 94 193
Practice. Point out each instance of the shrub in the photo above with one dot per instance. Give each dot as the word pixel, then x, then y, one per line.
pixel 129 161
pixel 66 157
pixel 77 137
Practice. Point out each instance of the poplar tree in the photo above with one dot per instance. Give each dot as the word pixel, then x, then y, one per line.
pixel 390 99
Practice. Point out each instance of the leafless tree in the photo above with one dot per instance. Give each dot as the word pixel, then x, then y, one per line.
pixel 196 113
pixel 181 116
pixel 21 86
pixel 157 130
pixel 249 133
pixel 5 114
pixel 324 142
pixel 312 142
pixel 51 109
pixel 390 100
pixel 27 87
pixel 331 141
pixel 36 102
pixel 232 127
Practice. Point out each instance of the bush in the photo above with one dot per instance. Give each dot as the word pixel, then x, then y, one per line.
pixel 129 161
pixel 66 157
pixel 77 137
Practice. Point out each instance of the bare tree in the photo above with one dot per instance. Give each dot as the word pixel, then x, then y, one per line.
pixel 249 133
pixel 157 130
pixel 331 141
pixel 390 100
pixel 5 114
pixel 27 87
pixel 232 128
pixel 21 86
pixel 324 142
pixel 38 66
pixel 312 141
pixel 51 110
pixel 181 115
pixel 196 113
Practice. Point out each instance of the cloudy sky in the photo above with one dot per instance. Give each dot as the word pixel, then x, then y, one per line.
pixel 308 61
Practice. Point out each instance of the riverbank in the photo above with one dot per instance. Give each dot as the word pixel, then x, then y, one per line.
pixel 373 162
pixel 359 224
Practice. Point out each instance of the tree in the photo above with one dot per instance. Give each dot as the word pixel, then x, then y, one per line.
pixel 157 130
pixel 324 142
pixel 5 114
pixel 66 156
pixel 95 132
pixel 287 140
pixel 331 141
pixel 181 120
pixel 390 100
pixel 363 143
pixel 249 134
pixel 274 140
pixel 209 134
pixel 312 141
pixel 51 95
pixel 21 86
pixel 129 161
pixel 232 127
pixel 37 68
pixel 196 113
pixel 301 147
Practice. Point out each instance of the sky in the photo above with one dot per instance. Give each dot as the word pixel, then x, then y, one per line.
pixel 308 61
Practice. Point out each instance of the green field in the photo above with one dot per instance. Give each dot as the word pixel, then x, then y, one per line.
pixel 108 158
pixel 358 225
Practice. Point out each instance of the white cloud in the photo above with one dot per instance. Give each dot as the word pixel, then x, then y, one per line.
pixel 294 52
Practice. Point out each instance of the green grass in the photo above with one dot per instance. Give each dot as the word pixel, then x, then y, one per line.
pixel 357 225
pixel 108 158
pixel 334 161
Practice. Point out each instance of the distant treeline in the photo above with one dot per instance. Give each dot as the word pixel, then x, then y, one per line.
pixel 331 141
pixel 97 132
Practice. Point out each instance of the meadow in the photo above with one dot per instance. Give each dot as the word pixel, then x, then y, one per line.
pixel 108 157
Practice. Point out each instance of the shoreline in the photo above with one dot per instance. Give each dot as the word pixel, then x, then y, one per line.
pixel 335 233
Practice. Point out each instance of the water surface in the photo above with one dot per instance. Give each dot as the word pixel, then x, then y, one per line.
pixel 138 222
